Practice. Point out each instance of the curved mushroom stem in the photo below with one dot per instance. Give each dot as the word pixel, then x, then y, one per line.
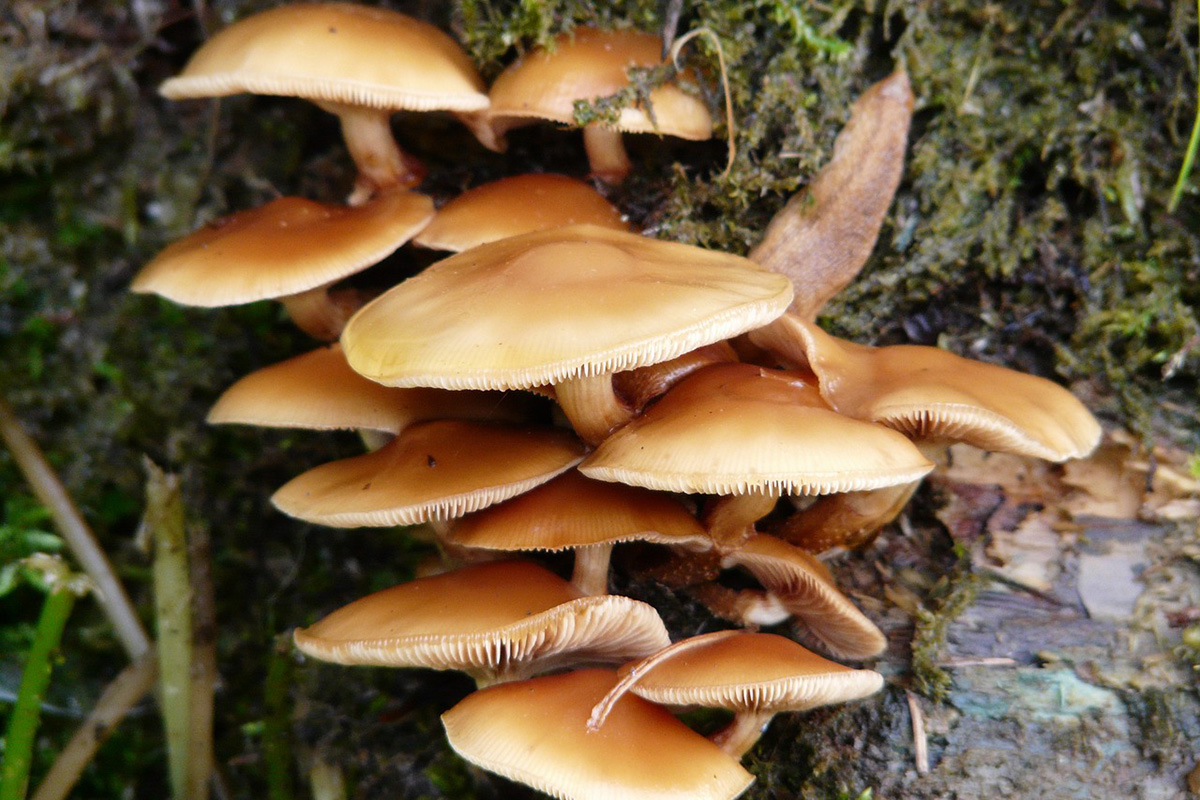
pixel 743 733
pixel 606 154
pixel 591 569
pixel 592 406
pixel 730 519
pixel 849 519
pixel 380 161
pixel 478 123
pixel 321 313
pixel 683 568
pixel 748 607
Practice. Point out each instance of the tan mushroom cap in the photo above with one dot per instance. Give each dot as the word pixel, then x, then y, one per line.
pixel 338 53
pixel 806 588
pixel 512 206
pixel 318 391
pixel 288 246
pixel 737 428
pixel 753 672
pixel 572 511
pixel 548 306
pixel 497 621
pixel 931 394
pixel 587 64
pixel 535 732
pixel 432 471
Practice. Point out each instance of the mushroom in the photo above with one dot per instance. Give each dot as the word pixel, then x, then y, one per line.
pixel 755 675
pixel 568 306
pixel 432 471
pixel 589 64
pixel 750 434
pixel 512 206
pixel 291 250
pixel 589 517
pixel 499 621
pixel 535 732
pixel 318 391
pixel 355 61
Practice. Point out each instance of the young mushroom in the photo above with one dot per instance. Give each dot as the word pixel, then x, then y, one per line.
pixel 500 621
pixel 589 64
pixel 291 250
pixel 358 62
pixel 568 306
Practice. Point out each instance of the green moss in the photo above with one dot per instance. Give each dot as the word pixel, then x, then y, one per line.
pixel 953 594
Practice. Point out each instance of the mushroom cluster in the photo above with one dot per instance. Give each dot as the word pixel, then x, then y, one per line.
pixel 563 383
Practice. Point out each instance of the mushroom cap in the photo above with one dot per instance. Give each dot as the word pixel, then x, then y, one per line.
pixel 738 428
pixel 759 672
pixel 335 52
pixel 547 306
pixel 433 470
pixel 516 205
pixel 587 64
pixel 318 391
pixel 535 732
pixel 932 394
pixel 499 620
pixel 806 588
pixel 288 246
pixel 572 511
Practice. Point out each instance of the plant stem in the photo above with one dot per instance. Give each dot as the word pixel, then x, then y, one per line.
pixel 87 551
pixel 23 724
pixel 277 751
pixel 1193 144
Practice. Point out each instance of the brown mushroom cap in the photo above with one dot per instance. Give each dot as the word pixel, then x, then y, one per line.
pixel 587 64
pixel 931 394
pixel 512 206
pixel 496 621
pixel 753 672
pixel 536 732
pixel 288 246
pixel 431 471
pixel 552 305
pixel 805 587
pixel 319 391
pixel 737 428
pixel 335 52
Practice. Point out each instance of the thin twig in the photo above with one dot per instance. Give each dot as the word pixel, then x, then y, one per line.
pixel 125 691
pixel 920 745
pixel 204 660
pixel 730 126
pixel 79 537
pixel 1189 157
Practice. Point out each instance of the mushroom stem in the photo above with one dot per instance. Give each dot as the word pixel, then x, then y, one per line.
pixel 320 312
pixel 592 406
pixel 748 607
pixel 849 519
pixel 740 735
pixel 606 154
pixel 591 569
pixel 730 519
pixel 380 161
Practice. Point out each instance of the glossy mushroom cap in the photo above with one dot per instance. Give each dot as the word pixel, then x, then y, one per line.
pixel 517 205
pixel 497 621
pixel 319 391
pixel 806 588
pixel 737 428
pixel 553 305
pixel 931 394
pixel 432 471
pixel 587 64
pixel 288 246
pixel 535 732
pixel 338 53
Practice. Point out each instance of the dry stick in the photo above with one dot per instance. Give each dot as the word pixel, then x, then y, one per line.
pixel 823 236
pixel 129 687
pixel 173 617
pixel 601 710
pixel 920 745
pixel 49 490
